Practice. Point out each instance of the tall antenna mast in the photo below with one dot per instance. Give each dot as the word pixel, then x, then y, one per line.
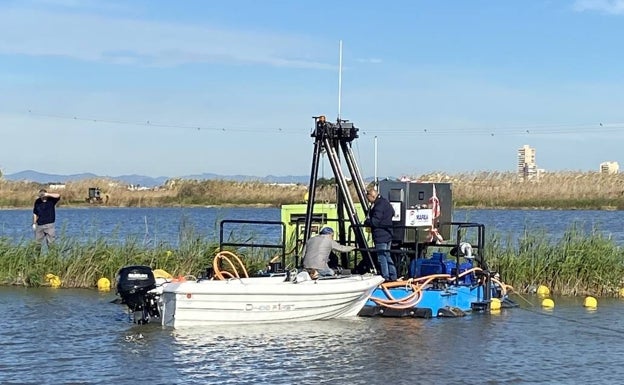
pixel 376 176
pixel 339 80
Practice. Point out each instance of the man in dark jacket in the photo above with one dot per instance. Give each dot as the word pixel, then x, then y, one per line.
pixel 380 221
pixel 44 216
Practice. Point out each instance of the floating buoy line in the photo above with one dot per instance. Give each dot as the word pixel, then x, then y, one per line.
pixel 590 303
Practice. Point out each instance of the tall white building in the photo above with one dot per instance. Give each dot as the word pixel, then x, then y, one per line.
pixel 609 167
pixel 527 168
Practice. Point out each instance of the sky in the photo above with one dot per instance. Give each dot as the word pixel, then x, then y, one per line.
pixel 170 88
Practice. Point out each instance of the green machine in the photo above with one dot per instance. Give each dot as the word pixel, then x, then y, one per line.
pixel 325 214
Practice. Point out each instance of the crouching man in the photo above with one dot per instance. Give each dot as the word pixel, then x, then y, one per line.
pixel 317 250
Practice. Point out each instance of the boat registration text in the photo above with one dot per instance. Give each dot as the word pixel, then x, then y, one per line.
pixel 269 307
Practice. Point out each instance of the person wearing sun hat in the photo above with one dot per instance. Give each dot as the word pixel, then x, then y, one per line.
pixel 317 250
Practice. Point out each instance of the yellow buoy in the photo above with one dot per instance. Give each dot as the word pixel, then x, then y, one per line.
pixel 543 290
pixel 548 303
pixel 590 302
pixel 160 273
pixel 495 304
pixel 103 284
pixel 53 280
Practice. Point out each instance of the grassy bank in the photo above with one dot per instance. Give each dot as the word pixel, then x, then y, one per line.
pixel 587 190
pixel 174 193
pixel 80 265
pixel 577 264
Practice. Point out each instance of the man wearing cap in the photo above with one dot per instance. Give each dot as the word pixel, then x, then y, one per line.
pixel 316 252
pixel 44 216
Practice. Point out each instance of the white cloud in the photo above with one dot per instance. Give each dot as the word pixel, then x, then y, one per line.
pixel 613 7
pixel 99 38
pixel 372 60
pixel 94 5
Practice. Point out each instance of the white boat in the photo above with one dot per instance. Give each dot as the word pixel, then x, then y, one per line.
pixel 242 300
pixel 263 300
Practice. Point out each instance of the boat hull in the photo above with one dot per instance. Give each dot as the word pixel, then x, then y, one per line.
pixel 263 300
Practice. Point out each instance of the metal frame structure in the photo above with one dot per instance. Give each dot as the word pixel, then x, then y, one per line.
pixel 335 139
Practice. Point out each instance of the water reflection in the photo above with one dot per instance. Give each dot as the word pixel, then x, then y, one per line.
pixel 309 352
pixel 78 336
pixel 513 346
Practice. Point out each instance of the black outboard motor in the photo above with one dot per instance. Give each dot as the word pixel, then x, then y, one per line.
pixel 133 286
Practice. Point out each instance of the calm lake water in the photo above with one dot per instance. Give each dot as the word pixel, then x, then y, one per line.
pixel 78 337
pixel 168 225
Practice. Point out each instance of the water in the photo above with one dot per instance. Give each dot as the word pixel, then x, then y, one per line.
pixel 552 223
pixel 150 226
pixel 168 225
pixel 79 337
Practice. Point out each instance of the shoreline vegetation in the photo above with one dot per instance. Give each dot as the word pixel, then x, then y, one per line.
pixel 562 190
pixel 577 264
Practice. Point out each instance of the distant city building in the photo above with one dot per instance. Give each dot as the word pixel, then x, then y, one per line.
pixel 527 168
pixel 609 167
pixel 56 186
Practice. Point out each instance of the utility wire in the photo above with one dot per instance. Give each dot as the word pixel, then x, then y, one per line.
pixel 151 123
pixel 541 129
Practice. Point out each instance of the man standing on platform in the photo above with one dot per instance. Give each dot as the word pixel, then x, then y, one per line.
pixel 380 221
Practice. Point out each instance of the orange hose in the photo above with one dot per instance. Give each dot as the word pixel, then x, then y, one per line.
pixel 471 270
pixel 391 300
pixel 414 298
pixel 503 286
pixel 429 278
pixel 403 303
pixel 410 300
pixel 224 255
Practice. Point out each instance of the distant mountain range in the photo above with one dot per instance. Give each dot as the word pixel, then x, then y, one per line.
pixel 146 181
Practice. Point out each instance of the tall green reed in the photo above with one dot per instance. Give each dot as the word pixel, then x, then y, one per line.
pixel 578 263
pixel 81 262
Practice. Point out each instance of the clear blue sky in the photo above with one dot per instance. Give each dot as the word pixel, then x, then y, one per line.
pixel 450 86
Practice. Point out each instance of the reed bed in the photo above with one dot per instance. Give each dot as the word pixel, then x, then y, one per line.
pixel 81 265
pixel 578 263
pixel 575 264
pixel 173 193
pixel 582 190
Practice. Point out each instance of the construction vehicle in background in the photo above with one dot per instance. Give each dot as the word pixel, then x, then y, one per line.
pixel 95 195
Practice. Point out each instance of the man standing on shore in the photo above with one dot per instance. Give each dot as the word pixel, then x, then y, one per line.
pixel 44 215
